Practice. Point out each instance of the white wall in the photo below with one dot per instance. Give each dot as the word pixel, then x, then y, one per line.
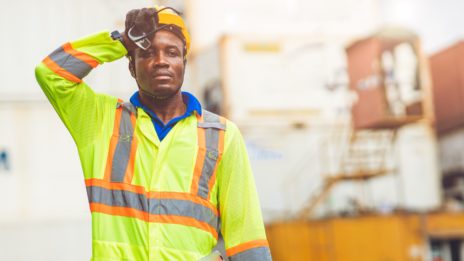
pixel 42 195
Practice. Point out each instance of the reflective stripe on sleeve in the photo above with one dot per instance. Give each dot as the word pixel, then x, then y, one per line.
pixel 250 251
pixel 60 71
pixel 255 254
pixel 69 63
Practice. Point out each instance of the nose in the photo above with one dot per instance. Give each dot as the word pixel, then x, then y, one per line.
pixel 160 60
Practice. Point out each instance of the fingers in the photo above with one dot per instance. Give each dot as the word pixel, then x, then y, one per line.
pixel 145 19
pixel 130 18
pixel 139 22
pixel 130 46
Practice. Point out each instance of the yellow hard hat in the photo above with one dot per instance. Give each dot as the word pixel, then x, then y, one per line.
pixel 167 15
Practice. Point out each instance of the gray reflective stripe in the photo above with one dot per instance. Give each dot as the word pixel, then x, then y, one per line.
pixel 254 254
pixel 183 208
pixel 209 117
pixel 216 125
pixel 128 199
pixel 117 198
pixel 123 148
pixel 129 106
pixel 211 157
pixel 212 154
pixel 70 63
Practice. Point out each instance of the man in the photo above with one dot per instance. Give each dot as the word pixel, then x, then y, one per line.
pixel 160 172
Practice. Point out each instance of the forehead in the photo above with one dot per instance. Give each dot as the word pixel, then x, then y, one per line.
pixel 166 38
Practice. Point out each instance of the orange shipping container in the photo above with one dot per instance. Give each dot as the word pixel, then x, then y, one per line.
pixel 384 71
pixel 447 68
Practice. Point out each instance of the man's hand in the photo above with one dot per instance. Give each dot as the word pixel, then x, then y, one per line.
pixel 141 20
pixel 130 46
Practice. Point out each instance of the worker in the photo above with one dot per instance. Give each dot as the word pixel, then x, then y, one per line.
pixel 164 177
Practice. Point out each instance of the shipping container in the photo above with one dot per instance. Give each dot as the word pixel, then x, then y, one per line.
pixel 447 68
pixel 274 76
pixel 388 73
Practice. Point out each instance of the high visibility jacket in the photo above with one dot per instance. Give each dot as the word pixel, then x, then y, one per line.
pixel 153 200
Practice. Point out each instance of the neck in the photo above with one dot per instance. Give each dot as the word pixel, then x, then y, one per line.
pixel 165 108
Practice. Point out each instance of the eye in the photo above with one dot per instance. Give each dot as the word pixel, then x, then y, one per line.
pixel 173 52
pixel 148 53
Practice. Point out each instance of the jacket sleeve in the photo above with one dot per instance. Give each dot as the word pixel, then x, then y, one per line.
pixel 241 220
pixel 60 76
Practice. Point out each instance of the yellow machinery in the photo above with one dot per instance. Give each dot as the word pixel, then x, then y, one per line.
pixel 395 237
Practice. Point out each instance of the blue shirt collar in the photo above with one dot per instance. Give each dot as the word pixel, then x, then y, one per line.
pixel 192 104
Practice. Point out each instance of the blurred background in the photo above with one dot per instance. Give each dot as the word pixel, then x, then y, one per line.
pixel 352 112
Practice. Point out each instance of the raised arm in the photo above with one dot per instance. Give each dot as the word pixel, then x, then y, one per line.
pixel 60 76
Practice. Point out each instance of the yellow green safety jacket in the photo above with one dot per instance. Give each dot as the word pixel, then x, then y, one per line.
pixel 153 200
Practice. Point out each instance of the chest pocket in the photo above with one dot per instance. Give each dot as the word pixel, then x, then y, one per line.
pixel 211 128
pixel 123 145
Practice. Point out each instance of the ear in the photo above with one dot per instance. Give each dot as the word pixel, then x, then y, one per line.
pixel 132 67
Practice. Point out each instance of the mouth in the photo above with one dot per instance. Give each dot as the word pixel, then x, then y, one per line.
pixel 160 76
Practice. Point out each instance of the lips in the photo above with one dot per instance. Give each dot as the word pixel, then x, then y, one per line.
pixel 162 76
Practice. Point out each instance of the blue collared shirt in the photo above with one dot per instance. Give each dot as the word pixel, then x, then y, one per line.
pixel 192 104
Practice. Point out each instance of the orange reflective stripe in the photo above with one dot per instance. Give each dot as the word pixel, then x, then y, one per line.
pixel 200 159
pixel 187 221
pixel 113 143
pixel 115 185
pixel 119 211
pixel 209 150
pixel 152 194
pixel 80 55
pixel 60 71
pixel 133 151
pixel 246 246
pixel 184 196
pixel 167 219
pixel 220 152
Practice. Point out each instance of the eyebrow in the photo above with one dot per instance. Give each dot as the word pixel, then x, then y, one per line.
pixel 173 46
pixel 168 46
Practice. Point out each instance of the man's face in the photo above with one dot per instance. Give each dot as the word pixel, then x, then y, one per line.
pixel 160 69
